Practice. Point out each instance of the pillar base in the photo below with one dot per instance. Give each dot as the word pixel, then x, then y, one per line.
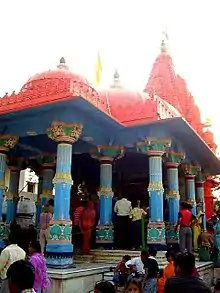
pixel 59 250
pixel 172 235
pixel 105 236
pixel 156 236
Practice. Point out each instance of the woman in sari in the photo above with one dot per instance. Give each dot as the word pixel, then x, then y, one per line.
pixel 42 281
pixel 87 223
pixel 197 229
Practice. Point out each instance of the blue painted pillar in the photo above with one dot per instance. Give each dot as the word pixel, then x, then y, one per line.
pixel 190 197
pixel 39 202
pixel 47 185
pixel 59 250
pixel 173 160
pixel 106 155
pixel 155 148
pixel 7 142
pixel 200 202
pixel 12 195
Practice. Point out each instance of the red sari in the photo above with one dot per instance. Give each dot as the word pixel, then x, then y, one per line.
pixel 87 224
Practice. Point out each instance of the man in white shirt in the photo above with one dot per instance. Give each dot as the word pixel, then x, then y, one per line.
pixel 122 209
pixel 9 255
pixel 137 264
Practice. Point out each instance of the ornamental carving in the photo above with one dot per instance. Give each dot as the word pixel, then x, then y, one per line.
pixel 154 146
pixel 7 142
pixel 190 170
pixel 65 132
pixel 174 157
pixel 107 153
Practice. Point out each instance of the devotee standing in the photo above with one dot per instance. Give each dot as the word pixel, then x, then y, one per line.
pixel 87 223
pixel 184 281
pixel 77 233
pixel 9 255
pixel 21 277
pixel 151 272
pixel 136 215
pixel 44 224
pixel 185 231
pixel 122 209
pixel 197 229
pixel 42 281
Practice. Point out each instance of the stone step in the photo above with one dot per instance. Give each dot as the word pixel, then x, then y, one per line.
pixel 114 256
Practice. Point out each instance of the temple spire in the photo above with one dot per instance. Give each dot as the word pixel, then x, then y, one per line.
pixel 116 79
pixel 62 64
pixel 164 42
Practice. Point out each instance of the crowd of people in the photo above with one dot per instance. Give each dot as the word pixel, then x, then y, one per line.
pixel 22 264
pixel 143 275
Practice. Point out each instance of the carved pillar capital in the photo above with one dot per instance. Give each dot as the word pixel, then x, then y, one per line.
pixel 154 146
pixel 65 132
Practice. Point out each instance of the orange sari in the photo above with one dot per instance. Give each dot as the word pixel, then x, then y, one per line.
pixel 87 224
pixel 160 284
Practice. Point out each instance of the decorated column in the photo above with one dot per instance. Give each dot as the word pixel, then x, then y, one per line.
pixel 155 148
pixel 12 195
pixel 59 250
pixel 190 172
pixel 106 155
pixel 47 172
pixel 200 202
pixel 7 142
pixel 173 160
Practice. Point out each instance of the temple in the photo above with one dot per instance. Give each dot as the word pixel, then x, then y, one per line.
pixel 68 132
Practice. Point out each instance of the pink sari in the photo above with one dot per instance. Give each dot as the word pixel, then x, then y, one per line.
pixel 42 281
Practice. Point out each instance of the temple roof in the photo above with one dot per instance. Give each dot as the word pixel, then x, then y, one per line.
pixel 62 72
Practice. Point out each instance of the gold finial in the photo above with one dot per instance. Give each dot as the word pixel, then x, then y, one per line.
pixel 164 42
pixel 208 122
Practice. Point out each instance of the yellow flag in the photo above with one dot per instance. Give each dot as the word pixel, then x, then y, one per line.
pixel 98 70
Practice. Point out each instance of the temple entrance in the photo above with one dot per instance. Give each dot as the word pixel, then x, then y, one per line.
pixel 130 178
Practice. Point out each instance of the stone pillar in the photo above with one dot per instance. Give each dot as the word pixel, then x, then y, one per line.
pixel 200 201
pixel 7 142
pixel 190 173
pixel 172 163
pixel 12 195
pixel 106 155
pixel 38 202
pixel 155 148
pixel 59 250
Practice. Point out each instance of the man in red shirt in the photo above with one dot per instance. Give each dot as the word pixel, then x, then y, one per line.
pixel 77 233
pixel 185 231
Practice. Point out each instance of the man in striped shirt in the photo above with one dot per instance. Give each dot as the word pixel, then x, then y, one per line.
pixel 77 233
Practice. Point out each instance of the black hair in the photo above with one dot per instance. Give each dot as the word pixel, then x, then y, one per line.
pixel 51 202
pixel 170 253
pixel 127 257
pixel 144 253
pixel 153 252
pixel 105 287
pixel 36 246
pixel 186 262
pixel 13 237
pixel 217 285
pixel 135 282
pixel 22 274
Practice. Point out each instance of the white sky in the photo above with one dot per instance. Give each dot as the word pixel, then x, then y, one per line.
pixel 35 34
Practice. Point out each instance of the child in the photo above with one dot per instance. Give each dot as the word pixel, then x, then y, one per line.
pixel 169 270
pixel 161 282
pixel 104 287
pixel 133 286
pixel 121 272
